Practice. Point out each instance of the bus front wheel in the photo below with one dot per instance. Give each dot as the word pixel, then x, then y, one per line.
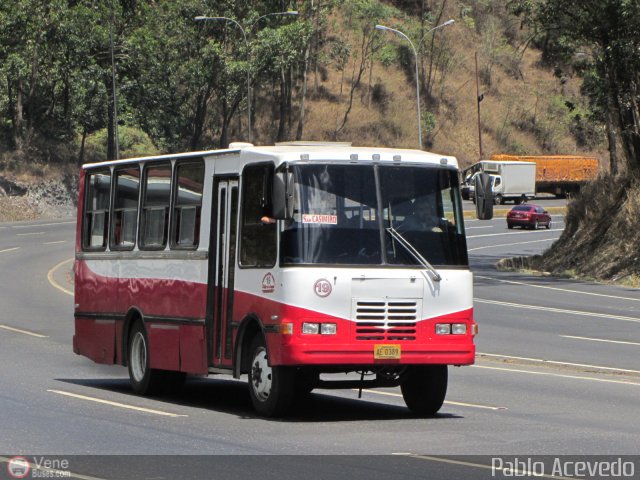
pixel 271 387
pixel 424 388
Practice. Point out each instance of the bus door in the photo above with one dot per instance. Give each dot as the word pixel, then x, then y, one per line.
pixel 226 189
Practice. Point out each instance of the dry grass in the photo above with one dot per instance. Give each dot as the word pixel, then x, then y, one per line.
pixel 515 112
pixel 14 209
pixel 600 239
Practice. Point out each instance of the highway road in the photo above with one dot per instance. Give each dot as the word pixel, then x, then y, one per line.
pixel 557 373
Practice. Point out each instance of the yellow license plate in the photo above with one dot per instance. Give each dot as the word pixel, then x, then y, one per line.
pixel 386 352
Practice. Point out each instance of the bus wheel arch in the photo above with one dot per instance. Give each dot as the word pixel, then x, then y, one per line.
pixel 250 327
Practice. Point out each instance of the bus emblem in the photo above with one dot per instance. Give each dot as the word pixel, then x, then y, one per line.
pixel 322 287
pixel 268 283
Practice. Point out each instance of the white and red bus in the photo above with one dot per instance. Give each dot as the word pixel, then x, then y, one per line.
pixel 287 263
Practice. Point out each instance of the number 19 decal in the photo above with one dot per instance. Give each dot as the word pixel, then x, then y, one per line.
pixel 322 287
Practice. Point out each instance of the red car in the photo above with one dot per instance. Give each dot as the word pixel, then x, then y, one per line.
pixel 528 216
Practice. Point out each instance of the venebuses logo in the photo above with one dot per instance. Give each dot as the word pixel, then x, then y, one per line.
pixel 18 467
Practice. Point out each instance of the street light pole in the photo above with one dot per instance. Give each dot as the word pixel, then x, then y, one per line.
pixel 246 43
pixel 113 86
pixel 244 36
pixel 289 12
pixel 415 54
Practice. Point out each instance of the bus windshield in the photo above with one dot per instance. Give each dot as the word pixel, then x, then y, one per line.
pixel 342 213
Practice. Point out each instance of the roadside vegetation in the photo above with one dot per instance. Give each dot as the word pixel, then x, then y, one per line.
pixel 555 77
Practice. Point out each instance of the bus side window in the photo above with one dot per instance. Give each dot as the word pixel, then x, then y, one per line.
pixel 155 207
pixel 257 238
pixel 188 205
pixel 96 217
pixel 125 208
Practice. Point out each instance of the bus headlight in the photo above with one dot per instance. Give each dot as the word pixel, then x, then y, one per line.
pixel 459 329
pixel 328 329
pixel 310 328
pixel 443 328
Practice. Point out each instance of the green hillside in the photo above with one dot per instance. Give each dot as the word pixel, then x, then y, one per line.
pixel 324 74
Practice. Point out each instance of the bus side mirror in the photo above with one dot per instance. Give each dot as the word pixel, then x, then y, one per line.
pixel 484 196
pixel 281 198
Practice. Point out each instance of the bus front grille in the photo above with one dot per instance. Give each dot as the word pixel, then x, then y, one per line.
pixel 386 320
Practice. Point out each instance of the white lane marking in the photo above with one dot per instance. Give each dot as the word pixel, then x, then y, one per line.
pixel 600 340
pixel 52 281
pixel 51 473
pixel 53 243
pixel 516 233
pixel 10 249
pixel 555 362
pixel 508 471
pixel 559 375
pixel 29 234
pixel 513 282
pixel 38 225
pixel 25 332
pixel 558 310
pixel 472 228
pixel 461 404
pixel 510 244
pixel 116 404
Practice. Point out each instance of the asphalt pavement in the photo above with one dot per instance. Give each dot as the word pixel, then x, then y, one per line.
pixel 557 373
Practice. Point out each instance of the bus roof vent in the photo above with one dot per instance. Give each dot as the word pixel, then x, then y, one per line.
pixel 397 158
pixel 240 145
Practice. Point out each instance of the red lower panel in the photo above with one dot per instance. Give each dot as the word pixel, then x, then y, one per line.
pixel 193 350
pixel 172 347
pixel 164 346
pixel 345 347
pixel 95 339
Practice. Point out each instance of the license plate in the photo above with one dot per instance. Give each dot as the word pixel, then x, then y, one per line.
pixel 386 352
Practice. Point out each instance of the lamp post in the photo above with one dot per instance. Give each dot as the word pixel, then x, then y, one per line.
pixel 289 12
pixel 244 36
pixel 415 53
pixel 113 87
pixel 246 43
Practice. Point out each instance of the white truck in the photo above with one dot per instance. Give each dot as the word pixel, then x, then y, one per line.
pixel 510 181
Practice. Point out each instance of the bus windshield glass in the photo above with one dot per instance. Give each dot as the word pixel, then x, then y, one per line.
pixel 342 213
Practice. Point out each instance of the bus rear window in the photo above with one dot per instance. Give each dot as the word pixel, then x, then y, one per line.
pixel 96 217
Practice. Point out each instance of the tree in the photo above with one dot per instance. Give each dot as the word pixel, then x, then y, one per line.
pixel 603 37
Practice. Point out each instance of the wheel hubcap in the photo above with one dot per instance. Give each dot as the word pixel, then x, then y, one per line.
pixel 138 357
pixel 261 375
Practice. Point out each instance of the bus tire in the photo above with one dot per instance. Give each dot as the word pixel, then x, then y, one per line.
pixel 144 380
pixel 424 388
pixel 271 388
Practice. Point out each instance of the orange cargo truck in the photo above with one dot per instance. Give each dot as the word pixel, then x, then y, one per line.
pixel 558 174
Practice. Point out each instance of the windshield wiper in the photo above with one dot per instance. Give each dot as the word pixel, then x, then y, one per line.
pixel 433 274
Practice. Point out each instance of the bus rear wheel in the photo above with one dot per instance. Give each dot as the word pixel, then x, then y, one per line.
pixel 424 388
pixel 271 388
pixel 144 379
